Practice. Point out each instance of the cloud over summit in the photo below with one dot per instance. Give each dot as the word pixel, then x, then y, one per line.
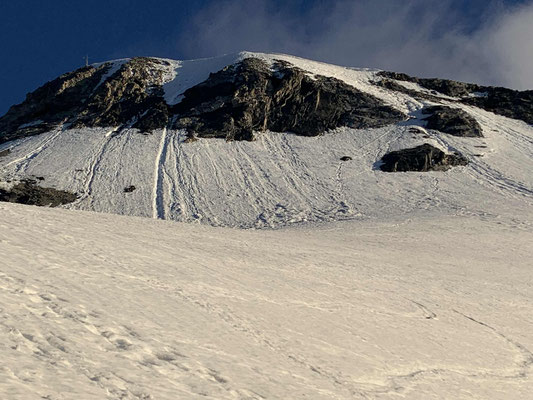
pixel 486 42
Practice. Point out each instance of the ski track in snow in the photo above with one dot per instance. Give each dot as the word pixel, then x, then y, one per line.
pixel 158 206
pixel 22 162
pixel 278 180
pixel 94 164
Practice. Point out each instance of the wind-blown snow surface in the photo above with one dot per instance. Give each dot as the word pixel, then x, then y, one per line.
pixel 98 306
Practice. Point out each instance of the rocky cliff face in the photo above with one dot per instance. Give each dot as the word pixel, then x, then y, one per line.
pixel 507 102
pixel 133 95
pixel 85 98
pixel 241 99
pixel 232 103
pixel 452 121
pixel 88 97
pixel 250 96
pixel 55 102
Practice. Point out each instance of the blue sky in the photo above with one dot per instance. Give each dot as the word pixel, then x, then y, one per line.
pixel 39 40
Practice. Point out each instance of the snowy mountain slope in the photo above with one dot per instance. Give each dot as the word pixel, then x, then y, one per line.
pixel 399 285
pixel 98 306
pixel 279 178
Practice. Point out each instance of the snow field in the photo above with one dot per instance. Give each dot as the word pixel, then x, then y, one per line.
pixel 101 306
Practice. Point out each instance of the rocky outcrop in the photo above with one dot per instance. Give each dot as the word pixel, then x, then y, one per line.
pixel 453 121
pixel 28 192
pixel 507 102
pixel 443 86
pixel 395 86
pixel 250 96
pixel 55 102
pixel 132 95
pixel 422 158
pixel 232 103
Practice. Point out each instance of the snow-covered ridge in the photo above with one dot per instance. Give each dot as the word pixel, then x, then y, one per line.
pixel 181 75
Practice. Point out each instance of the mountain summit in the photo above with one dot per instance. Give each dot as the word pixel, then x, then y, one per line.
pixel 304 141
pixel 252 94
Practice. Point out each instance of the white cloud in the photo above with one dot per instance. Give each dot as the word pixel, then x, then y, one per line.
pixel 420 37
pixel 509 43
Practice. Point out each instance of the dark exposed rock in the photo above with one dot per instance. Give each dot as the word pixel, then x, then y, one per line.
pixel 55 102
pixel 132 95
pixel 393 85
pixel 502 101
pixel 249 96
pixel 421 158
pixel 444 86
pixel 231 104
pixel 506 102
pixel 346 158
pixel 129 189
pixel 5 153
pixel 27 192
pixel 452 121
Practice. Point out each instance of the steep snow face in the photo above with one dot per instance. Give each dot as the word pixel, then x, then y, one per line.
pixel 280 178
pixel 98 306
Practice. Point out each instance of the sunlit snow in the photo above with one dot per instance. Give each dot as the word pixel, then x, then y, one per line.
pixel 372 286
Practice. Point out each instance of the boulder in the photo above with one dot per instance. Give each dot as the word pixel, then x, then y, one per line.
pixel 28 192
pixel 453 121
pixel 422 158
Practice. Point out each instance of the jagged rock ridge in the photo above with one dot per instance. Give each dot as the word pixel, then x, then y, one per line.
pixel 85 98
pixel 51 104
pixel 250 96
pixel 502 101
pixel 232 103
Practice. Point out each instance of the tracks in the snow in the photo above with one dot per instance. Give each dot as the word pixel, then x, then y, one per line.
pixel 21 163
pixel 158 209
pixel 94 164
